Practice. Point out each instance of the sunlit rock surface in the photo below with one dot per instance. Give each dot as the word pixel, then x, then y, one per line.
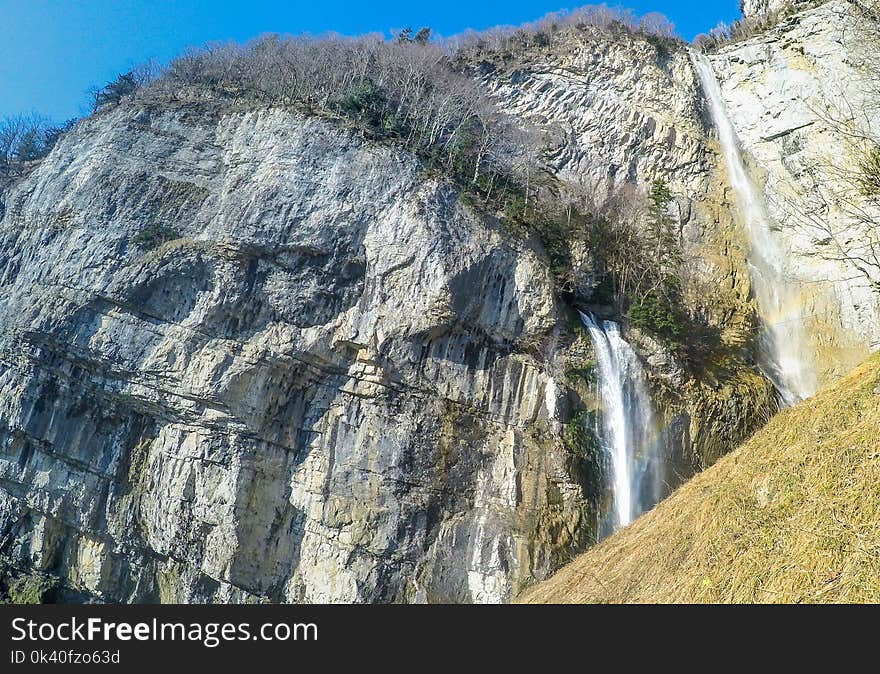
pixel 798 97
pixel 330 386
pixel 337 382
pixel 757 9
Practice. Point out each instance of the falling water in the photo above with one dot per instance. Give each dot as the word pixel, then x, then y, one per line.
pixel 627 430
pixel 787 358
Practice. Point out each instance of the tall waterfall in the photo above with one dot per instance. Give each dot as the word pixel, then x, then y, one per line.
pixel 786 355
pixel 627 429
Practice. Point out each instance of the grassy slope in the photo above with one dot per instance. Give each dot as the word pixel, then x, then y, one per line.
pixel 791 516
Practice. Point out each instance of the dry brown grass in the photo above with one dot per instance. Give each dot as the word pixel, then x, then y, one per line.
pixel 791 516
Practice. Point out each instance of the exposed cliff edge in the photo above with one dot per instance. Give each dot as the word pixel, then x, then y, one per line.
pixel 248 354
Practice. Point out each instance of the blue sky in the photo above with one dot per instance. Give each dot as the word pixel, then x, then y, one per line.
pixel 52 51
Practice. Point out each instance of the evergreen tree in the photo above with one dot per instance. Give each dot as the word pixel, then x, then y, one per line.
pixel 663 230
pixel 115 91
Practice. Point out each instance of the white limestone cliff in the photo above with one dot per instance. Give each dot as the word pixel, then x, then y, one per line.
pixel 339 381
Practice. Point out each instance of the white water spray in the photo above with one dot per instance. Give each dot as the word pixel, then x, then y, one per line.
pixel 787 356
pixel 627 430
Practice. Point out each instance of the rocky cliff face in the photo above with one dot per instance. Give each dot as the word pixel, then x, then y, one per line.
pixel 629 112
pixel 798 95
pixel 247 355
pixel 331 385
pixel 615 111
pixel 757 9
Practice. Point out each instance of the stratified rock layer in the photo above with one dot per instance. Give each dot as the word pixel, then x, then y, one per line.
pixel 325 388
pixel 247 355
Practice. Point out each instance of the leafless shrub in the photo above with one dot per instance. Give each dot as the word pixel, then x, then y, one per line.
pixel 555 29
pixel 125 84
pixel 26 138
pixel 848 183
pixel 404 90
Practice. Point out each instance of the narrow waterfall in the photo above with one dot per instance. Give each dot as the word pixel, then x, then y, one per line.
pixel 627 430
pixel 786 355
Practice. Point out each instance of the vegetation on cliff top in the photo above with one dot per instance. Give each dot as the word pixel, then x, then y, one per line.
pixel 749 26
pixel 26 138
pixel 791 516
pixel 413 90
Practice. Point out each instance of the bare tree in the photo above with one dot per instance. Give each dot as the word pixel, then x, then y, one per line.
pixel 25 138
pixel 11 129
pixel 842 217
pixel 657 24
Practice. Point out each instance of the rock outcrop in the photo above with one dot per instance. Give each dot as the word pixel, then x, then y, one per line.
pixel 615 110
pixel 332 384
pixel 798 96
pixel 758 9
pixel 248 355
